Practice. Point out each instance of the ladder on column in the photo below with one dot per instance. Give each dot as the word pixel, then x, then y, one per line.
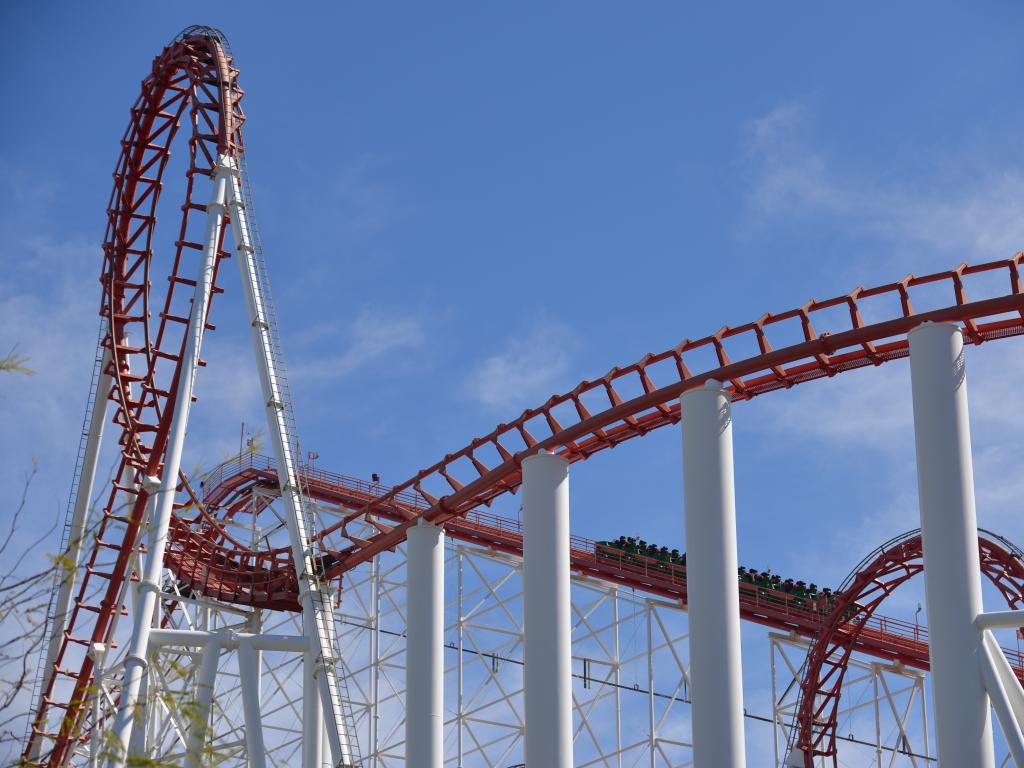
pixel 314 595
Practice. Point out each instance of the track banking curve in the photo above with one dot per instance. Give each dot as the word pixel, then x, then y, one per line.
pixel 230 486
pixel 631 401
pixel 852 624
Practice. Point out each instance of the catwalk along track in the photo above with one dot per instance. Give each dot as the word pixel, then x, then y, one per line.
pixel 207 560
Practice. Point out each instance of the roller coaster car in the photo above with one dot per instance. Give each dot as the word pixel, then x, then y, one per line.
pixel 764 586
pixel 643 555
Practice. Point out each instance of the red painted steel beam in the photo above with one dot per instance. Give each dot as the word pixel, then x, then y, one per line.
pixel 882 637
pixel 192 82
pixel 815 357
pixel 853 625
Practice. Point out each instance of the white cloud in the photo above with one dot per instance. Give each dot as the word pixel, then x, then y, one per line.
pixel 973 211
pixel 529 368
pixel 791 176
pixel 867 416
pixel 50 312
pixel 868 408
pixel 366 205
pixel 952 213
pixel 369 338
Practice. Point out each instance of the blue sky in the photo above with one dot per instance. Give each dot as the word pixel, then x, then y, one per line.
pixel 467 208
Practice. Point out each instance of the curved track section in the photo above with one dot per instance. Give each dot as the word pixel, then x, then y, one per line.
pixel 193 83
pixel 632 401
pixel 240 488
pixel 851 626
pixel 776 351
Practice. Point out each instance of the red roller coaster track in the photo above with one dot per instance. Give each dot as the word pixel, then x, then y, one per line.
pixel 601 414
pixel 228 489
pixel 850 626
pixel 193 80
pixel 852 623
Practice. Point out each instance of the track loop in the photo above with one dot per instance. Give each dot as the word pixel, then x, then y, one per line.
pixel 849 628
pixel 191 82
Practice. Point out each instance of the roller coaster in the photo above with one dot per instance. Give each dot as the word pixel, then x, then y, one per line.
pixel 204 568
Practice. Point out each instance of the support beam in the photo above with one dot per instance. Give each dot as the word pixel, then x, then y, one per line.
pixel 1003 701
pixel 314 595
pixel 98 652
pixel 199 727
pixel 547 684
pixel 1000 620
pixel 714 613
pixel 249 674
pixel 190 638
pixel 166 485
pixel 949 534
pixel 68 569
pixel 137 746
pixel 312 713
pixel 424 644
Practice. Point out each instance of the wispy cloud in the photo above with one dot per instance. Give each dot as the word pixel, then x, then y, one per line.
pixel 528 369
pixel 365 203
pixel 49 311
pixel 867 416
pixel 866 409
pixel 959 209
pixel 972 210
pixel 371 337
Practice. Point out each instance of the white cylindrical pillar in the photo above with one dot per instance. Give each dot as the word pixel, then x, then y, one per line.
pixel 199 725
pixel 547 683
pixel 165 487
pixel 424 648
pixel 312 713
pixel 68 567
pixel 949 534
pixel 716 675
pixel 249 675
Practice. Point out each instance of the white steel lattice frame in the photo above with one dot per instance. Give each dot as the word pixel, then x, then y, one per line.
pixel 630 668
pixel 620 718
pixel 891 695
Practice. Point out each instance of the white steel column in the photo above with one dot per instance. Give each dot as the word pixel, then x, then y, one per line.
pixel 424 647
pixel 137 746
pixel 249 674
pixel 714 612
pixel 166 485
pixel 67 567
pixel 199 726
pixel 312 713
pixel 318 618
pixel 949 534
pixel 547 684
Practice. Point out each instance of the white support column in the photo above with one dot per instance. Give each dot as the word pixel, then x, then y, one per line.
pixel 424 648
pixel 68 566
pixel 547 687
pixel 137 746
pixel 165 486
pixel 1005 700
pixel 314 597
pixel 249 674
pixel 98 652
pixel 200 717
pixel 949 533
pixel 312 713
pixel 714 612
